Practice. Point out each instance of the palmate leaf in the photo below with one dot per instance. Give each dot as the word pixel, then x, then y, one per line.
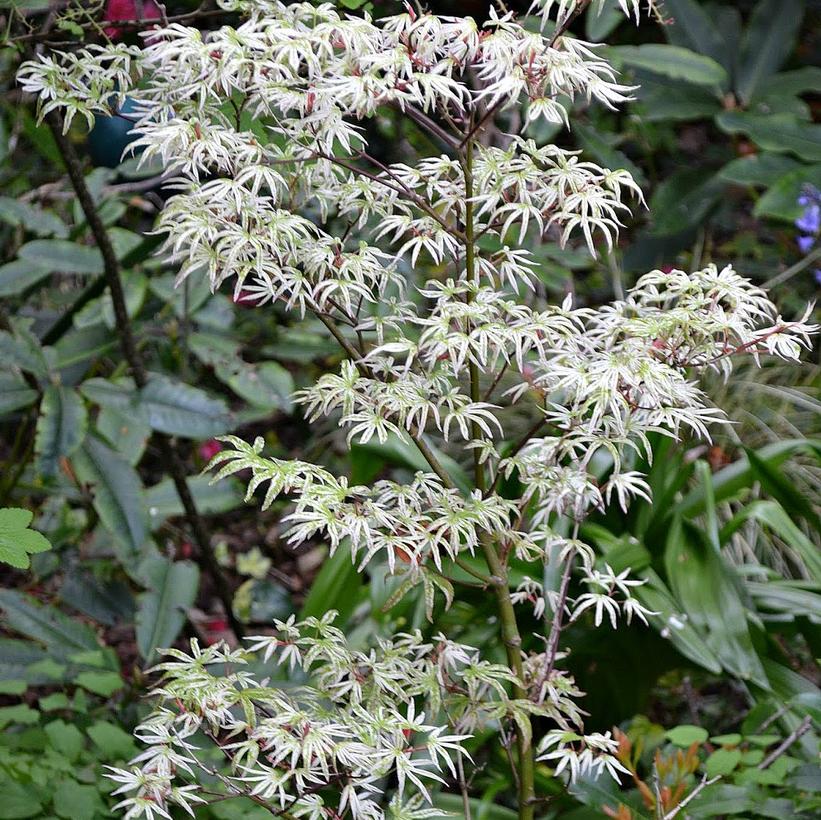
pixel 17 541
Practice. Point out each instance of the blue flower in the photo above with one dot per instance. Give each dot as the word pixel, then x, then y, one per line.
pixel 809 223
pixel 810 220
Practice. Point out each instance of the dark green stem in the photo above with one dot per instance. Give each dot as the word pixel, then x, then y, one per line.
pixel 498 571
pixel 111 270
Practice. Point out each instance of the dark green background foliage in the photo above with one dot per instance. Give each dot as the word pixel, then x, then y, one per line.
pixel 722 136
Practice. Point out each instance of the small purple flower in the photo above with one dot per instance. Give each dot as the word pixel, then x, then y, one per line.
pixel 810 220
pixel 809 223
pixel 817 273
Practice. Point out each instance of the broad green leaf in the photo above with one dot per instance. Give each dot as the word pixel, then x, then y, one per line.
pixel 212 349
pixel 601 20
pixel 63 256
pixel 17 541
pixel 19 657
pixel 686 735
pixel 118 495
pixel 20 713
pixel 18 801
pixel 684 200
pixel 14 392
pixel 338 586
pixel 107 602
pixel 163 502
pixel 727 740
pixel 101 310
pixel 65 738
pixel 74 801
pixel 19 275
pixel 112 741
pixel 792 83
pixel 135 288
pixel 171 589
pixel 81 345
pixel 115 393
pixel 125 431
pixel 780 133
pixel 707 588
pixel 59 633
pixel 100 683
pixel 32 218
pixel 672 61
pixel 669 622
pixel 780 201
pixel 662 101
pixel 723 799
pixel 722 762
pixel 61 427
pixel 164 404
pixel 268 385
pixel 692 28
pixel 758 169
pixel 179 409
pixel 768 41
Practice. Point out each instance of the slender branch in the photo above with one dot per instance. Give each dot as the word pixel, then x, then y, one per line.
pixel 785 744
pixel 793 269
pixel 423 120
pixel 463 787
pixel 111 270
pixel 496 380
pixel 556 625
pixel 507 615
pixel 418 438
pixel 693 794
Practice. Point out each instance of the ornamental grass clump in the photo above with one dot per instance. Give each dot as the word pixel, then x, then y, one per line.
pixel 262 125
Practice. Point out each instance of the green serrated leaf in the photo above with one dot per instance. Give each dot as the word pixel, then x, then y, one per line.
pixel 117 496
pixel 61 427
